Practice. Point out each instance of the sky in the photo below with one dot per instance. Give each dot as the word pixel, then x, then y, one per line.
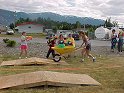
pixel 101 9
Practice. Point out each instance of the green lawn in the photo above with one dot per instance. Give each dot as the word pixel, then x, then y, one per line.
pixel 109 71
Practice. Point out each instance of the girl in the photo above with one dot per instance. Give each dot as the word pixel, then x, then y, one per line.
pixel 24 45
pixel 61 41
pixel 87 46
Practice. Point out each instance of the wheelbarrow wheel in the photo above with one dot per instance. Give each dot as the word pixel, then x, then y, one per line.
pixel 57 58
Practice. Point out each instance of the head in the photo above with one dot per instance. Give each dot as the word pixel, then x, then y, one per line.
pixel 61 36
pixel 81 33
pixel 69 36
pixel 24 33
pixel 113 31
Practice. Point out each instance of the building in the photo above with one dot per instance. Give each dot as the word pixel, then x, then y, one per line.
pixel 30 27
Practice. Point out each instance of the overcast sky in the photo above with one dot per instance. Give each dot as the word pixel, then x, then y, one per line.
pixel 84 8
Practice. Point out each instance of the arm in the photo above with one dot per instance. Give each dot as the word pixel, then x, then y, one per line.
pixel 82 44
pixel 86 41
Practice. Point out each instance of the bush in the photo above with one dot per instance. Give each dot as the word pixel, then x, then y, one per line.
pixel 5 40
pixel 11 43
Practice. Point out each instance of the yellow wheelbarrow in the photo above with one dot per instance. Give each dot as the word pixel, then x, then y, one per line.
pixel 62 51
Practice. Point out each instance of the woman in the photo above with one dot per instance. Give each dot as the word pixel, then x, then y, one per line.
pixel 120 42
pixel 87 46
pixel 113 40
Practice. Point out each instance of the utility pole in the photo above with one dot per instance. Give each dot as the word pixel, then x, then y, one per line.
pixel 84 24
pixel 14 20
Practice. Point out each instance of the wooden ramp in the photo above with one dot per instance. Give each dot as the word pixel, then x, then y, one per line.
pixel 30 61
pixel 41 78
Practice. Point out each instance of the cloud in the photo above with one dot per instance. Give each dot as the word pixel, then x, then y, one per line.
pixel 83 8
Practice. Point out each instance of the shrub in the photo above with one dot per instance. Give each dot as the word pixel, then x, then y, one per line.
pixel 5 40
pixel 11 43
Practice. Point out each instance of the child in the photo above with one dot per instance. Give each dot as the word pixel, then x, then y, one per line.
pixel 70 40
pixel 87 46
pixel 51 43
pixel 24 45
pixel 61 41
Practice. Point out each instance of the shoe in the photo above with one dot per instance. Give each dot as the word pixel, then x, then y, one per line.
pixel 19 57
pixel 94 59
pixel 26 57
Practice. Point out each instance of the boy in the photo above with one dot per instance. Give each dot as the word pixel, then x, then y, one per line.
pixel 51 43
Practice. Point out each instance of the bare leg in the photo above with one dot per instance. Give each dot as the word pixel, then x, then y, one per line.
pixel 83 54
pixel 90 55
pixel 21 53
pixel 26 52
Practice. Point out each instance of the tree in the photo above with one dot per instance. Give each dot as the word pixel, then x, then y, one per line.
pixel 115 23
pixel 108 23
pixel 78 24
pixel 12 26
pixel 54 29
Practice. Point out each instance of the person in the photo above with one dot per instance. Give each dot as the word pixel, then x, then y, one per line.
pixel 70 40
pixel 113 40
pixel 51 43
pixel 120 41
pixel 61 39
pixel 24 45
pixel 87 46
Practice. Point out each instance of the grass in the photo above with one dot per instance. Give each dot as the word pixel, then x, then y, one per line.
pixel 109 71
pixel 34 35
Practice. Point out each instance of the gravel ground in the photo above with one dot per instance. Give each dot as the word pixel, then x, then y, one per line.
pixel 40 50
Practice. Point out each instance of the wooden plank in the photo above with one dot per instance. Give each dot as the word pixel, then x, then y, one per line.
pixel 39 78
pixel 30 61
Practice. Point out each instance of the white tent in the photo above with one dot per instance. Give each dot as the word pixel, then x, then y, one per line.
pixel 102 33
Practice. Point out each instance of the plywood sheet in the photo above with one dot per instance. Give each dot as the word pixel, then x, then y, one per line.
pixel 39 78
pixel 30 61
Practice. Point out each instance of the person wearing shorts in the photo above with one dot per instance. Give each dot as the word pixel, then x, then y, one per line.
pixel 87 46
pixel 24 45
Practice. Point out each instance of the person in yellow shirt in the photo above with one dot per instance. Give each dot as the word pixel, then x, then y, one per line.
pixel 70 40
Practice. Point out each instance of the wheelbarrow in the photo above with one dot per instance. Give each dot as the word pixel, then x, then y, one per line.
pixel 62 51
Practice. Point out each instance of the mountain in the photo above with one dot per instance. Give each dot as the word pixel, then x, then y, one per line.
pixel 7 17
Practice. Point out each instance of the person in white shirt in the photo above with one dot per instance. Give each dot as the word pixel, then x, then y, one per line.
pixel 24 45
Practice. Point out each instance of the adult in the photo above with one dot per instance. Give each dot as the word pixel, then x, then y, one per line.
pixel 120 41
pixel 87 46
pixel 113 40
